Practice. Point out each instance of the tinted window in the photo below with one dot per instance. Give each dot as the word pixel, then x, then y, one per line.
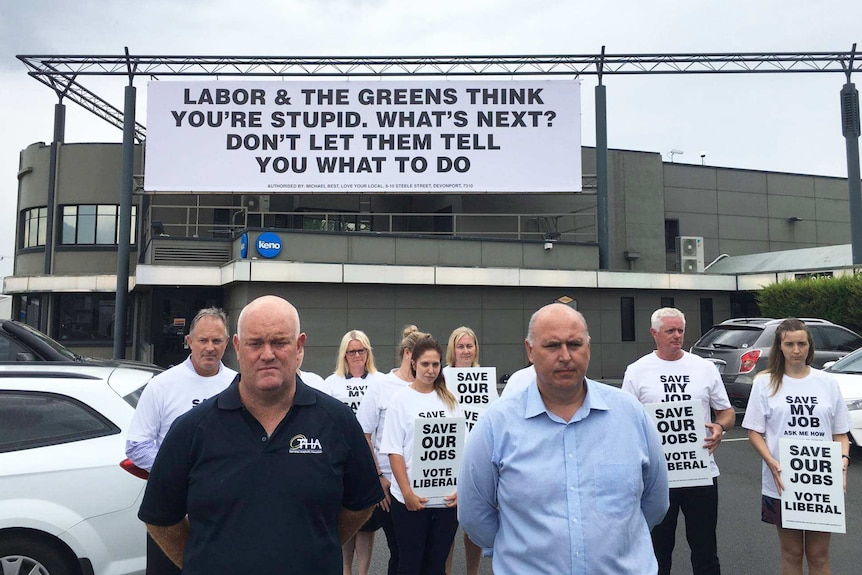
pixel 841 340
pixel 730 337
pixel 9 350
pixel 819 340
pixel 40 419
pixel 627 318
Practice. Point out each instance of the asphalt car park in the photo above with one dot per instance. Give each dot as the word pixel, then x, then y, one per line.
pixel 745 544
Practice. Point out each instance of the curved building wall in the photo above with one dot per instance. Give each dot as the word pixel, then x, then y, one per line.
pixel 87 174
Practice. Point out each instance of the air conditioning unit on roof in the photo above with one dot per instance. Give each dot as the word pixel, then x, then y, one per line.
pixel 256 203
pixel 690 252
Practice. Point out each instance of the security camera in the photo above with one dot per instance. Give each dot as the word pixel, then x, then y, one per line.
pixel 549 245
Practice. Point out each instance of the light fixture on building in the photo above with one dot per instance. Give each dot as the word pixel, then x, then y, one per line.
pixel 794 219
pixel 631 256
pixel 550 238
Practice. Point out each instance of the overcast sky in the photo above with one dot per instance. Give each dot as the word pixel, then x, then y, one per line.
pixel 788 122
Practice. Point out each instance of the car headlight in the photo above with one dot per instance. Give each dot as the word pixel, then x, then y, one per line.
pixel 854 404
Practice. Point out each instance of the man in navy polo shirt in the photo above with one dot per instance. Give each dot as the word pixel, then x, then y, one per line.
pixel 269 475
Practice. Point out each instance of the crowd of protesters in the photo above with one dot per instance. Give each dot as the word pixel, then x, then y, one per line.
pixel 277 469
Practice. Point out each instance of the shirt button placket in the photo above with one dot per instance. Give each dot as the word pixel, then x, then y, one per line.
pixel 576 532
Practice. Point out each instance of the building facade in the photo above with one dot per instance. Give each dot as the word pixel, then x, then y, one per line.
pixel 379 262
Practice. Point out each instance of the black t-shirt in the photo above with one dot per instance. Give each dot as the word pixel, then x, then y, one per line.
pixel 259 504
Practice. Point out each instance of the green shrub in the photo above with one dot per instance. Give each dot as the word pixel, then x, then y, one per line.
pixel 838 299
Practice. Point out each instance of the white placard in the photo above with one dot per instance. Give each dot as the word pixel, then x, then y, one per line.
pixel 364 137
pixel 474 387
pixel 680 424
pixel 812 474
pixel 437 448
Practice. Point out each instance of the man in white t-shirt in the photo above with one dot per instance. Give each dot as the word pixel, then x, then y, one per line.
pixel 519 381
pixel 172 393
pixel 672 374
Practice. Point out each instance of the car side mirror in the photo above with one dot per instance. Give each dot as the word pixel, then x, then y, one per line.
pixel 829 364
pixel 25 356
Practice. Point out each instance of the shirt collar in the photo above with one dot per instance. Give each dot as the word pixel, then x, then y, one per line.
pixel 592 400
pixel 230 399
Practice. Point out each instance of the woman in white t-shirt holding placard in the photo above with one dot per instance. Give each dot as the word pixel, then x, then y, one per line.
pixel 372 417
pixel 788 380
pixel 425 531
pixel 463 351
pixel 354 374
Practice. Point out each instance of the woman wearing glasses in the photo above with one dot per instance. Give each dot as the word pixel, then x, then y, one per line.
pixel 354 375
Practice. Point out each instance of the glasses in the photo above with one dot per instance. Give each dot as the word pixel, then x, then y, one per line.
pixel 355 352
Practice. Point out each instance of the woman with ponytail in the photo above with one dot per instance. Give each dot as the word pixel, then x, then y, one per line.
pixel 425 530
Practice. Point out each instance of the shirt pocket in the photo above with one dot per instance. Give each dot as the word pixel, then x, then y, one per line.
pixel 617 488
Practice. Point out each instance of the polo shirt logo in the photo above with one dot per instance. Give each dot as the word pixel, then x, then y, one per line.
pixel 302 444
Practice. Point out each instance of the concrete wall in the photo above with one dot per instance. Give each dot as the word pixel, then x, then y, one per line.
pixel 741 212
pixel 499 316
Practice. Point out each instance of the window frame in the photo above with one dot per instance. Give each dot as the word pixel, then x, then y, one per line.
pixel 101 217
pixel 25 227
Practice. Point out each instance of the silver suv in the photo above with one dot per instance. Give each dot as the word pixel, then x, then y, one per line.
pixel 740 349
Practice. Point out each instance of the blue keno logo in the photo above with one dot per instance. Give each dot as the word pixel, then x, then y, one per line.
pixel 268 245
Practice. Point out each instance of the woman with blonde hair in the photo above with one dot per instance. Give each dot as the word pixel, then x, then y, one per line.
pixel 788 383
pixel 425 529
pixel 354 375
pixel 372 416
pixel 463 348
pixel 463 351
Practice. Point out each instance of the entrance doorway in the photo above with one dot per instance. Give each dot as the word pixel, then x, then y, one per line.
pixel 173 311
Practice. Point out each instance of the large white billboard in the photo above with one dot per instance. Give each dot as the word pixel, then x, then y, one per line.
pixel 365 137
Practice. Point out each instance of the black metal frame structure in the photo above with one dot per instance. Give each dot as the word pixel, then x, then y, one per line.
pixel 63 74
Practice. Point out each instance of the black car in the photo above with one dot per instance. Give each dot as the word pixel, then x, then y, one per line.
pixel 740 349
pixel 21 343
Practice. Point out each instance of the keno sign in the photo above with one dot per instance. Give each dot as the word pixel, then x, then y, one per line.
pixel 364 137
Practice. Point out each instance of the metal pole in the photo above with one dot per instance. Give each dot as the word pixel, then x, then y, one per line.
pixel 59 137
pixel 125 223
pixel 850 129
pixel 602 192
pixel 51 208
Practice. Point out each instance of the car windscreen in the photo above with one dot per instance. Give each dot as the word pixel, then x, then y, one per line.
pixel 44 340
pixel 849 364
pixel 729 337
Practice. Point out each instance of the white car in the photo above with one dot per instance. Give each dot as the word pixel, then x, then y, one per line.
pixel 848 372
pixel 68 497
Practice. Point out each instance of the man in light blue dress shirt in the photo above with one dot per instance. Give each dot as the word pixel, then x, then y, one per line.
pixel 569 475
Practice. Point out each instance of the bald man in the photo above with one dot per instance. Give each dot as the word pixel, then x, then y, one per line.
pixel 268 476
pixel 567 476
